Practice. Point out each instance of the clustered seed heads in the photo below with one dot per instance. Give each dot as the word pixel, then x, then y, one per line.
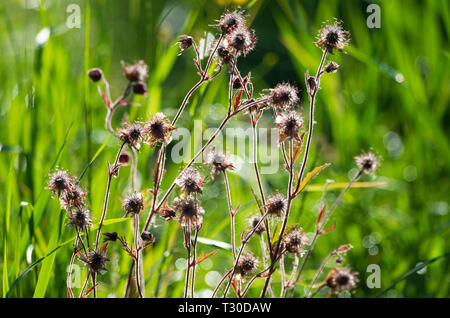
pixel 80 218
pixel 133 134
pixel 158 129
pixel 284 95
pixel 59 182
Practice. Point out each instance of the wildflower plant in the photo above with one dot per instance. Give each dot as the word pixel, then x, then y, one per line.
pixel 278 241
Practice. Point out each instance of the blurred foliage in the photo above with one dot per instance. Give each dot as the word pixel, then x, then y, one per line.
pixel 390 94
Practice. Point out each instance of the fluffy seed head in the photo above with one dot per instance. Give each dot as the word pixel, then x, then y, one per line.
pixel 276 204
pixel 254 221
pixel 133 203
pixel 246 265
pixel 231 20
pixel 190 213
pixel 59 181
pixel 289 123
pixel 73 197
pixel 295 240
pixel 96 261
pixel 135 72
pixel 218 162
pixel 333 36
pixel 132 134
pixel 341 279
pixel 284 95
pixel 242 40
pixel 368 162
pixel 190 180
pixel 158 130
pixel 80 218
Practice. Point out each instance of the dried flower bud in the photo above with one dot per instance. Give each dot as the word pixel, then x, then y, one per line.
pixel 95 74
pixel 73 197
pixel 331 67
pixel 237 83
pixel 368 162
pixel 311 84
pixel 79 217
pixel 254 221
pixel 341 279
pixel 289 123
pixel 140 88
pixel 133 203
pixel 185 42
pixel 110 237
pixel 190 180
pixel 59 181
pixel 135 72
pixel 246 265
pixel 276 204
pixel 294 241
pixel 147 237
pixel 218 162
pixel 284 95
pixel 133 134
pixel 190 213
pixel 333 36
pixel 158 129
pixel 242 39
pixel 231 20
pixel 124 158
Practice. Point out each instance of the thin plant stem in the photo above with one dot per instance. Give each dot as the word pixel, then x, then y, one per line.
pixel 319 271
pixel 194 260
pixel 187 244
pixel 232 214
pixel 137 248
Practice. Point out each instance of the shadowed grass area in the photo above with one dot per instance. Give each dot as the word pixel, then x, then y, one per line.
pixel 391 94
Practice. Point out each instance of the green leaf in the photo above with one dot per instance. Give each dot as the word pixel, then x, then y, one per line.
pixel 94 157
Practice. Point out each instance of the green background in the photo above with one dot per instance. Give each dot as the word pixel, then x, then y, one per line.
pixel 390 94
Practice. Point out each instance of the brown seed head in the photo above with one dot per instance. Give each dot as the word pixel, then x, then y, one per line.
pixel 133 203
pixel 333 36
pixel 276 204
pixel 190 180
pixel 190 213
pixel 341 279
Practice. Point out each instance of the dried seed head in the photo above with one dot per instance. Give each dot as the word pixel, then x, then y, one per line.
pixel 147 237
pixel 73 197
pixel 276 204
pixel 246 265
pixel 225 53
pixel 158 129
pixel 132 134
pixel 341 279
pixel 333 36
pixel 295 240
pixel 190 213
pixel 95 74
pixel 231 20
pixel 190 180
pixel 96 261
pixel 185 42
pixel 140 88
pixel 368 162
pixel 133 203
pixel 284 95
pixel 254 221
pixel 59 181
pixel 110 237
pixel 331 67
pixel 79 217
pixel 242 39
pixel 218 162
pixel 289 123
pixel 135 72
